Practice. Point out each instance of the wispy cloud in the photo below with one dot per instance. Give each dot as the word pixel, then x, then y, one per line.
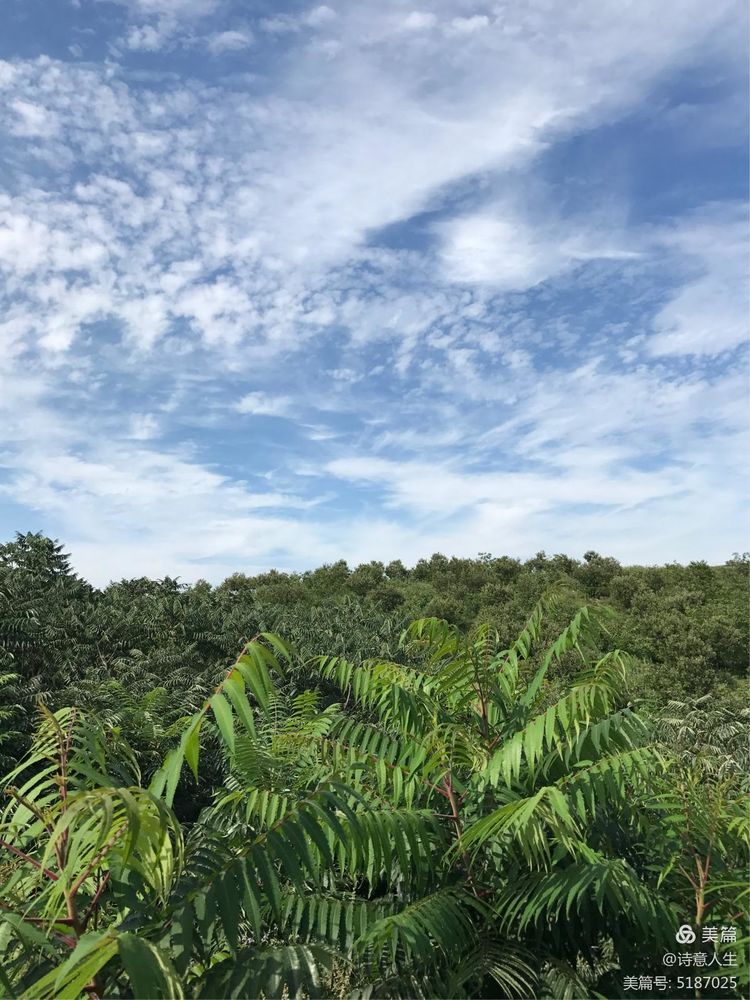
pixel 229 41
pixel 260 404
pixel 394 227
pixel 708 313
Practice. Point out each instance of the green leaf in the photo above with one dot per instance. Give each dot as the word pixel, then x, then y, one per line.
pixel 234 687
pixel 192 745
pixel 172 768
pixel 223 715
pixel 87 959
pixel 280 647
pixel 181 937
pixel 151 974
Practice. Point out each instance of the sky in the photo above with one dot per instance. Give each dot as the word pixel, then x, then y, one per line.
pixel 284 284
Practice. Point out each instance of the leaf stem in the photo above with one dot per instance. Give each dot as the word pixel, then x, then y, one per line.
pixel 27 857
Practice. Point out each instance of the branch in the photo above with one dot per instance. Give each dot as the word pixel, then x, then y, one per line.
pixel 456 818
pixel 99 856
pixel 15 794
pixel 61 848
pixel 26 857
pixel 43 922
pixel 95 900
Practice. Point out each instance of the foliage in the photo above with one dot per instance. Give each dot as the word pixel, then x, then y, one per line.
pixel 467 818
pixel 686 626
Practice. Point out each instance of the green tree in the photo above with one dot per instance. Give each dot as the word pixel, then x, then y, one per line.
pixel 451 826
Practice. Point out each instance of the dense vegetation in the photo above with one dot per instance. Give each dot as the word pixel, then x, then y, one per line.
pixel 478 778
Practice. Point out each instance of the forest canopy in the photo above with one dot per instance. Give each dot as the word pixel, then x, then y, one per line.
pixel 472 777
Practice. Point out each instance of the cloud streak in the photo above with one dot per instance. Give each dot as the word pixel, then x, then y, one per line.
pixel 376 224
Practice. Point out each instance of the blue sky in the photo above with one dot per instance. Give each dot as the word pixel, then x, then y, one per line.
pixel 286 284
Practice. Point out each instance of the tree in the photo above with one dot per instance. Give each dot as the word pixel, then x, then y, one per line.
pixel 449 827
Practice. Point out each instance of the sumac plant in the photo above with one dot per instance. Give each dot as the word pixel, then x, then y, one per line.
pixel 454 827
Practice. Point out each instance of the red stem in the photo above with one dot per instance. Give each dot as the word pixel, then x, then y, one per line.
pixel 92 905
pixel 26 857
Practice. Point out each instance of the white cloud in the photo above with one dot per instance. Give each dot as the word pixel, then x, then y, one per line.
pixel 469 25
pixel 150 37
pixel 167 21
pixel 181 514
pixel 321 14
pixel 709 313
pixel 83 304
pixel 418 20
pixel 260 404
pixel 143 426
pixel 33 120
pixel 181 8
pixel 497 251
pixel 587 459
pixel 146 319
pixel 40 245
pixel 274 211
pixel 229 41
pixel 171 232
pixel 7 73
pixel 313 18
pixel 156 512
pixel 437 489
pixel 499 247
pixel 222 310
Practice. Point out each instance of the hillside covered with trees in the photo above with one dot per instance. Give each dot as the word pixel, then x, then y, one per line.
pixel 472 777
